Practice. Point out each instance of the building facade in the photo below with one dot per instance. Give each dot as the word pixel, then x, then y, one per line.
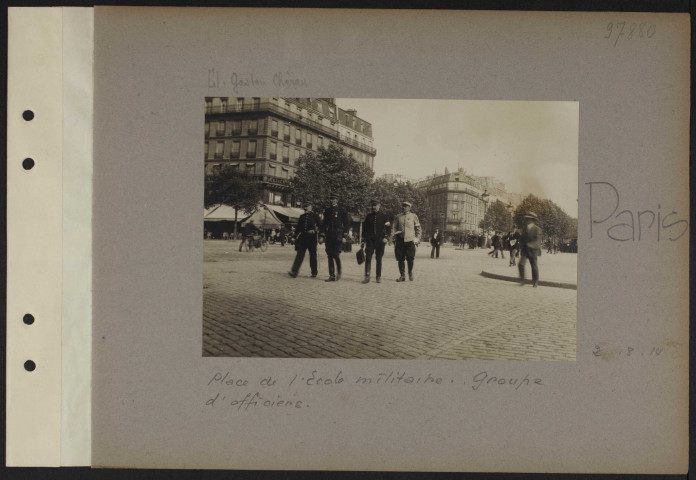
pixel 265 136
pixel 458 200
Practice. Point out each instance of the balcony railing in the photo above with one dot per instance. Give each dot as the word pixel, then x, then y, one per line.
pixel 271 107
pixel 356 144
pixel 270 179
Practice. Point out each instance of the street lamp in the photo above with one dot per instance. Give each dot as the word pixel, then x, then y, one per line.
pixel 485 196
pixel 510 207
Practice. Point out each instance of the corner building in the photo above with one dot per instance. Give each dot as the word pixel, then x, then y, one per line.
pixel 265 136
pixel 457 201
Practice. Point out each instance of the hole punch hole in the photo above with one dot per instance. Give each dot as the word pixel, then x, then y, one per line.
pixel 29 366
pixel 28 163
pixel 28 115
pixel 28 319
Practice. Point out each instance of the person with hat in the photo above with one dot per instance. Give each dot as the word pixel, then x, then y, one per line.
pixel 335 230
pixel 530 246
pixel 374 238
pixel 306 239
pixel 406 232
pixel 435 241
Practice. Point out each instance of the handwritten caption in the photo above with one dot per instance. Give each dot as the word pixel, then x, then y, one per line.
pixel 607 351
pixel 239 82
pixel 629 31
pixel 224 390
pixel 631 224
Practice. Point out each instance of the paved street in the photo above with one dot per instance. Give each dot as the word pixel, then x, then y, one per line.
pixel 251 308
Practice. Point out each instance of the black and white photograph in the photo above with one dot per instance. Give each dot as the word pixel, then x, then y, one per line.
pixel 390 229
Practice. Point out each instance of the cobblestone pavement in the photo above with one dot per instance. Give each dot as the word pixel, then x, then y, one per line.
pixel 251 308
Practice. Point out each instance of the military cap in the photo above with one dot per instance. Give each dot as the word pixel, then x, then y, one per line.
pixel 405 203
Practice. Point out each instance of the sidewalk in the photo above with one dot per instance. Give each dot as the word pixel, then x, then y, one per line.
pixel 558 270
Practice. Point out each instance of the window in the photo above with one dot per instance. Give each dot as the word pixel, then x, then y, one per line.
pixel 253 127
pixel 236 127
pixel 240 103
pixel 286 154
pixel 456 197
pixel 272 169
pixel 251 149
pixel 274 128
pixel 455 205
pixel 208 105
pixel 219 148
pixel 286 131
pixel 223 102
pixel 251 168
pixel 235 149
pixel 206 150
pixel 309 140
pixel 454 215
pixel 207 129
pixel 297 155
pixel 284 173
pixel 298 136
pixel 256 101
pixel 320 141
pixel 221 127
pixel 274 150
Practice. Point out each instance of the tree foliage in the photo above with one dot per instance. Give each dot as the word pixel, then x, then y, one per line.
pixel 497 217
pixel 390 195
pixel 555 223
pixel 331 170
pixel 231 187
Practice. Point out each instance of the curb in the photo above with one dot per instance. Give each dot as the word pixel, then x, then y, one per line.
pixel 543 283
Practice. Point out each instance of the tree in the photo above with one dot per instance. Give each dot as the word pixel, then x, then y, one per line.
pixel 497 217
pixel 390 195
pixel 331 170
pixel 228 186
pixel 555 223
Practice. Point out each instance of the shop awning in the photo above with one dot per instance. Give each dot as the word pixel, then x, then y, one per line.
pixel 292 213
pixel 223 213
pixel 263 218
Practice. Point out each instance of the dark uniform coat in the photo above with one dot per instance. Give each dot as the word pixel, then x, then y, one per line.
pixel 336 224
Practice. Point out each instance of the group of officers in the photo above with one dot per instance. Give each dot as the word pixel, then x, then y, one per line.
pixel 333 232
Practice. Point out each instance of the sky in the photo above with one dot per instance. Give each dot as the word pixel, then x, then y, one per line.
pixel 532 147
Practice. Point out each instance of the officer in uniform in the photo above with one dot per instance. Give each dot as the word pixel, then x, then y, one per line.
pixel 374 238
pixel 530 246
pixel 306 239
pixel 335 228
pixel 406 233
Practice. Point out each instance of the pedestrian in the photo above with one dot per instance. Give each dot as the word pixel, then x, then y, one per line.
pixel 306 239
pixel 348 246
pixel 282 235
pixel 374 238
pixel 530 247
pixel 435 241
pixel 514 245
pixel 248 234
pixel 335 230
pixel 406 232
pixel 497 242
